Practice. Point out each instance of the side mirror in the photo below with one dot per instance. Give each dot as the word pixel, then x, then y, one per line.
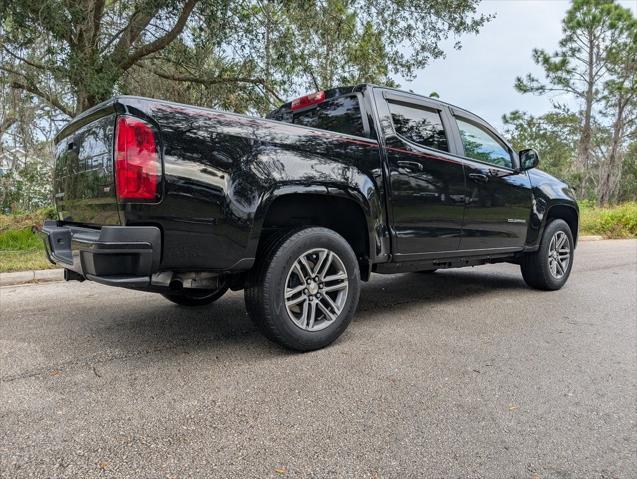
pixel 529 159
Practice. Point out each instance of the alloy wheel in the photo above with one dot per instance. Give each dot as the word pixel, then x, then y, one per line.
pixel 316 289
pixel 559 254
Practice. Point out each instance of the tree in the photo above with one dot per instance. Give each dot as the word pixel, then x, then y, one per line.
pixel 73 55
pixel 620 98
pixel 317 44
pixel 580 66
pixel 25 180
pixel 554 135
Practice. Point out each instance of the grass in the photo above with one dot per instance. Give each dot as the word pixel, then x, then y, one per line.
pixel 19 240
pixel 20 246
pixel 614 222
pixel 24 261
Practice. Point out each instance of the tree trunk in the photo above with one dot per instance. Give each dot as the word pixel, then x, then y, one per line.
pixel 608 170
pixel 85 97
pixel 582 160
pixel 7 123
pixel 584 145
pixel 85 101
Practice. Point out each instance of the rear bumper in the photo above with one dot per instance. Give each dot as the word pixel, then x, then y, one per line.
pixel 115 255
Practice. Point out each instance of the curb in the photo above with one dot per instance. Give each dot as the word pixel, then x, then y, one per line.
pixel 590 238
pixel 38 276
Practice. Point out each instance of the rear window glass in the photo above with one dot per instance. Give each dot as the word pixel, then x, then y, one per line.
pixel 342 114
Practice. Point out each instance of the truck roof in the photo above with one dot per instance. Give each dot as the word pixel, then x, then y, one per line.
pixel 344 90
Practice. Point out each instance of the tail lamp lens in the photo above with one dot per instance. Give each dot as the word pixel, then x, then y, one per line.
pixel 137 164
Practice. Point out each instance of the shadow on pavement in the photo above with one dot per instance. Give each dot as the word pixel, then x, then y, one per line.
pixel 413 289
pixel 156 324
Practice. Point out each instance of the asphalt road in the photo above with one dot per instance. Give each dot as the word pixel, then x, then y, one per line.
pixel 464 373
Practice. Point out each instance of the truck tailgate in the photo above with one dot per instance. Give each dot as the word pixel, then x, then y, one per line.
pixel 84 184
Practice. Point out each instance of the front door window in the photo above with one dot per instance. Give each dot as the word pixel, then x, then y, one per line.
pixel 481 145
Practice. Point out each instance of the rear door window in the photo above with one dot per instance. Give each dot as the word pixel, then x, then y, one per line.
pixel 419 124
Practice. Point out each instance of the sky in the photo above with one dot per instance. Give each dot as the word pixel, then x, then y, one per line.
pixel 480 76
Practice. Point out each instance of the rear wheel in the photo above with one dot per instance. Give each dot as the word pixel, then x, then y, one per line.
pixel 195 297
pixel 550 266
pixel 304 290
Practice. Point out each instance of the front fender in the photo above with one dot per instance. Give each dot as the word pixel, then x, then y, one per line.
pixel 549 196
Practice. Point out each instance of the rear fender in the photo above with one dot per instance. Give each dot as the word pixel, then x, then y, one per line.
pixel 362 194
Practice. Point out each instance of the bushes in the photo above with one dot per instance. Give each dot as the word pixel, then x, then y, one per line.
pixel 28 188
pixel 613 222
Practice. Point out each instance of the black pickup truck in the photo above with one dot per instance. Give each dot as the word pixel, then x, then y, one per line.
pixel 299 207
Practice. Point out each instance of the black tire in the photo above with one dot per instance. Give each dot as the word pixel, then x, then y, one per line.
pixel 535 266
pixel 266 287
pixel 427 271
pixel 195 297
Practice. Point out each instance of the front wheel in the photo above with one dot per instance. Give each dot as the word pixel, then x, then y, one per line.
pixel 304 290
pixel 195 297
pixel 550 266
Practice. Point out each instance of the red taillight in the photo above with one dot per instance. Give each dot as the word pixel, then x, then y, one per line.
pixel 307 100
pixel 137 163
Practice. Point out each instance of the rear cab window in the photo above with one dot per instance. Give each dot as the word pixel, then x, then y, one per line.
pixel 341 114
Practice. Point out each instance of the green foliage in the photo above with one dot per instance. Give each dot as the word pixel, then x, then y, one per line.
pixel 554 136
pixel 245 54
pixel 590 28
pixel 613 222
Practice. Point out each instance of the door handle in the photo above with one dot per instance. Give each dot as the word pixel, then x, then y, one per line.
pixel 410 165
pixel 479 177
